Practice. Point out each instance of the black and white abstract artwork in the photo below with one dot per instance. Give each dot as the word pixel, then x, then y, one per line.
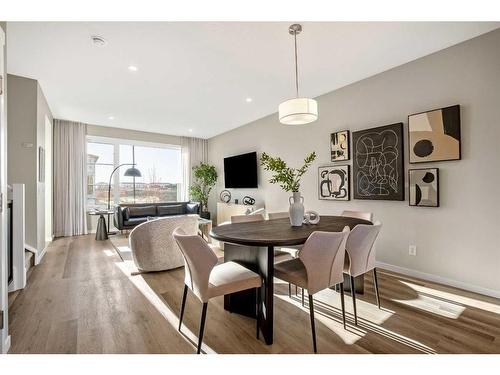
pixel 434 135
pixel 378 163
pixel 333 183
pixel 424 187
pixel 339 145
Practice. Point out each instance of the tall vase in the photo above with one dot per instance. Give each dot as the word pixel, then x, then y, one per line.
pixel 296 209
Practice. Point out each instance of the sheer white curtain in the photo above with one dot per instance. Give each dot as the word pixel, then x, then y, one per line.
pixel 70 178
pixel 194 152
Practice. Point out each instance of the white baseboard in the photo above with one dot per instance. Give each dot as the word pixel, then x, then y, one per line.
pixel 439 279
pixel 31 248
pixel 6 345
pixel 38 254
pixel 38 257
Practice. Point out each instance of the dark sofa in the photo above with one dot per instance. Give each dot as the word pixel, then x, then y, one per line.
pixel 127 216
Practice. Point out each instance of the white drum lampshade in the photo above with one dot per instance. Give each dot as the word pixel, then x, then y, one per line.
pixel 298 111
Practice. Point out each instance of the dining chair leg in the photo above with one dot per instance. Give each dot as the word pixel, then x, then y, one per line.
pixel 302 297
pixel 313 326
pixel 202 326
pixel 258 293
pixel 342 302
pixel 183 305
pixel 353 294
pixel 289 290
pixel 375 281
pixel 296 290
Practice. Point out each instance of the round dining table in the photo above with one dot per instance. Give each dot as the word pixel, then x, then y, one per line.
pixel 252 244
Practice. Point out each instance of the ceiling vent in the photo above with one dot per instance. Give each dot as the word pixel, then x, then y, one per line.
pixel 98 41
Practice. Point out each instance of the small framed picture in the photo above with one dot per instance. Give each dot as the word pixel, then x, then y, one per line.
pixel 424 187
pixel 333 183
pixel 339 145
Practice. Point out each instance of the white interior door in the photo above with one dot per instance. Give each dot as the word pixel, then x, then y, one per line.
pixel 4 337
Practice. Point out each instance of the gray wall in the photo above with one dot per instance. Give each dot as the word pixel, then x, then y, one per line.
pixel 22 161
pixel 27 108
pixel 457 243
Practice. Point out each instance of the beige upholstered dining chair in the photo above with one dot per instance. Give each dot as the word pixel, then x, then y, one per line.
pixel 292 250
pixel 359 215
pixel 282 252
pixel 318 266
pixel 207 280
pixel 360 259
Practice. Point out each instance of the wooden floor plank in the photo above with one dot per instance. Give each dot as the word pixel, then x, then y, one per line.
pixel 83 298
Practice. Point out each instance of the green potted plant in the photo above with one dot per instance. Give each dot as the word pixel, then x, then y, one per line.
pixel 204 179
pixel 289 180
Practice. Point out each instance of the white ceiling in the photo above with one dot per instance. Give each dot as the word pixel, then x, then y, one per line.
pixel 197 75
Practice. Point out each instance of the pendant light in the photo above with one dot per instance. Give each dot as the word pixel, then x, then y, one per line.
pixel 297 111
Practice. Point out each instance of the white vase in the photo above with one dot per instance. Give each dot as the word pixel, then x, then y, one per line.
pixel 296 209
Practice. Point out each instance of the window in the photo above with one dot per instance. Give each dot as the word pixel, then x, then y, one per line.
pixel 160 166
pixel 99 167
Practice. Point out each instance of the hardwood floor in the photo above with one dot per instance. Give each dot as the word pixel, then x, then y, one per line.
pixel 83 299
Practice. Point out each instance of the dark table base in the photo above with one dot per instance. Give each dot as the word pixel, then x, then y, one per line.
pixel 261 261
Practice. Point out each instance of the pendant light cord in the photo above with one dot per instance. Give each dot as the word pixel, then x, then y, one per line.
pixel 296 67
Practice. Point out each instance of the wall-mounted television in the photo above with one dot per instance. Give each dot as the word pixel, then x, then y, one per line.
pixel 240 171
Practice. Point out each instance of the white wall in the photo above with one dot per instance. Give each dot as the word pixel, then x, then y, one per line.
pixel 106 131
pixel 43 188
pixel 49 233
pixel 457 241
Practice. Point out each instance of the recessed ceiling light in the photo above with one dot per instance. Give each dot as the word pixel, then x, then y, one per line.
pixel 111 117
pixel 133 68
pixel 249 100
pixel 190 130
pixel 98 41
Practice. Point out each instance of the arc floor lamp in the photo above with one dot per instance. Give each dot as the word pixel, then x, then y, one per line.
pixel 130 172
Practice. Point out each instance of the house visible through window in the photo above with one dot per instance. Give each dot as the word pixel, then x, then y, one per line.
pixel 160 167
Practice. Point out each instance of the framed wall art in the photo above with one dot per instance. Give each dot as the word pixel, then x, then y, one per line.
pixel 435 135
pixel 424 187
pixel 378 164
pixel 339 146
pixel 333 183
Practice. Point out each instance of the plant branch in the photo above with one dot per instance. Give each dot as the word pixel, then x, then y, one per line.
pixel 287 178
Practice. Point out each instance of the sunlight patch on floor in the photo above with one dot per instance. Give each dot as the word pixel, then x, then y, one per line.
pixel 452 298
pixel 327 310
pixel 408 341
pixel 333 321
pixel 109 253
pixel 435 306
pixel 160 305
